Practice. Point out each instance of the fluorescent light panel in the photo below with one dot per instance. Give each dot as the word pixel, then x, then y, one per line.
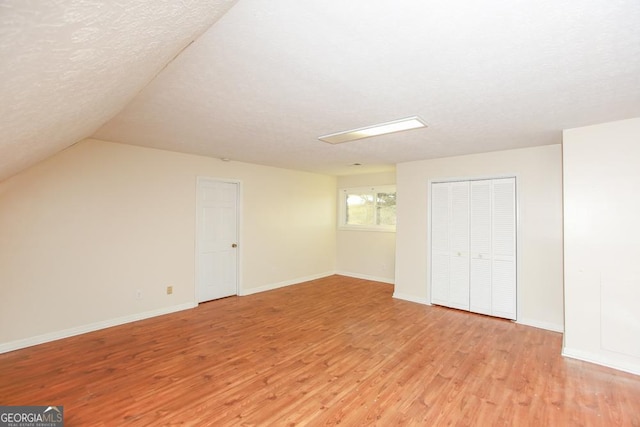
pixel 375 130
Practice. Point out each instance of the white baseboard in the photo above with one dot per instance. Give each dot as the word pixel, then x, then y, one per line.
pixel 411 298
pixel 273 286
pixel 66 333
pixel 542 325
pixel 366 277
pixel 599 359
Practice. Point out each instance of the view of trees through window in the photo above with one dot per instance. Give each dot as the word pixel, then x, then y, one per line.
pixel 374 208
pixel 386 209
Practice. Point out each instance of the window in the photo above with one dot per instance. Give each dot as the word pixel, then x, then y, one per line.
pixel 368 208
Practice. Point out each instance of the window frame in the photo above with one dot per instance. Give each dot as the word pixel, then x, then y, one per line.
pixel 342 208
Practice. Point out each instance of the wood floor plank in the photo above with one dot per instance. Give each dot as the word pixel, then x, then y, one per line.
pixel 331 351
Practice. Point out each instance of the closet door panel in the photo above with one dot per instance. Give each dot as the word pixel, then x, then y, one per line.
pixel 440 279
pixel 480 289
pixel 503 290
pixel 460 216
pixel 480 243
pixel 480 246
pixel 459 238
pixel 459 288
pixel 440 245
pixel 440 216
pixel 503 238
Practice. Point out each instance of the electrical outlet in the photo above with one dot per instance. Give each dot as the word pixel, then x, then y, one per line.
pixel 138 293
pixel 169 290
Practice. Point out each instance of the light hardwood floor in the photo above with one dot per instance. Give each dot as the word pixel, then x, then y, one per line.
pixel 332 351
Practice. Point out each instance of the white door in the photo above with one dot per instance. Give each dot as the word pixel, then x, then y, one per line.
pixel 459 273
pixel 450 244
pixel 440 243
pixel 480 285
pixel 217 239
pixel 473 245
pixel 503 239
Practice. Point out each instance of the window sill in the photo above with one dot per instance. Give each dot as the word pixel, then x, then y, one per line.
pixel 364 228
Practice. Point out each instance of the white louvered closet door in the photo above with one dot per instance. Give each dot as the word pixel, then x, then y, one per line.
pixel 480 281
pixel 459 249
pixel 473 246
pixel 440 196
pixel 503 238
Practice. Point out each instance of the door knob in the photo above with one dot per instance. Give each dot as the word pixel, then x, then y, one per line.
pixel 233 245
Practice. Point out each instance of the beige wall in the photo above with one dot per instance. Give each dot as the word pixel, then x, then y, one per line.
pixel 366 254
pixel 83 230
pixel 539 180
pixel 602 231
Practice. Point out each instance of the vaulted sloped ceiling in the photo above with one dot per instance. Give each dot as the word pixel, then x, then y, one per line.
pixel 272 75
pixel 68 66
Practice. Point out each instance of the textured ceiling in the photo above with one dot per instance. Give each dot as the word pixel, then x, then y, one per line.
pixel 68 66
pixel 271 76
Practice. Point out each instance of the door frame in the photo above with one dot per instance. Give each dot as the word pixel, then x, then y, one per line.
pixel 200 179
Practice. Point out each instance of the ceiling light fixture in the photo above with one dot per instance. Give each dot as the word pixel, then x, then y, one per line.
pixel 375 130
